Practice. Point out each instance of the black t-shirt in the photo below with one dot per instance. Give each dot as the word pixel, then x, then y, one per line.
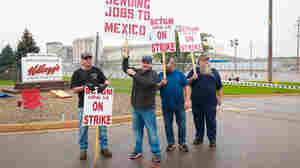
pixel 81 77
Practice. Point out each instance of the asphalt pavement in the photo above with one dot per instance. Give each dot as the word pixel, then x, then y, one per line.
pixel 252 132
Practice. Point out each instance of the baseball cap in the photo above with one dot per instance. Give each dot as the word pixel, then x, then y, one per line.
pixel 147 59
pixel 86 55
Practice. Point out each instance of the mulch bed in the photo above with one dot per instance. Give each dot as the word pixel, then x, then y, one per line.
pixel 55 109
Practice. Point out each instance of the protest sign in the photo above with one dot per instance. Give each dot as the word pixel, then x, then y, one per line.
pixel 127 19
pixel 97 107
pixel 163 35
pixel 190 39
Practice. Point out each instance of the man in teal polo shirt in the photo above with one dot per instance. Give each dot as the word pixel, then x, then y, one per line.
pixel 174 102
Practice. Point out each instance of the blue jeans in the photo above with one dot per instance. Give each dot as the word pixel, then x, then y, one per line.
pixel 180 115
pixel 205 114
pixel 83 134
pixel 145 118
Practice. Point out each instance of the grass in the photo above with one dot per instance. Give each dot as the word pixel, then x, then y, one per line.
pixel 6 82
pixel 124 86
pixel 281 83
pixel 242 90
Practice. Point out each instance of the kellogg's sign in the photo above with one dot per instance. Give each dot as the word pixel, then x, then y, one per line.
pixel 40 67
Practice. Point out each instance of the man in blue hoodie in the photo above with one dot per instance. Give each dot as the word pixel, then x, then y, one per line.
pixel 174 102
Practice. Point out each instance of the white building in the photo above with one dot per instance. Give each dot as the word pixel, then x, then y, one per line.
pixel 83 45
pixel 57 48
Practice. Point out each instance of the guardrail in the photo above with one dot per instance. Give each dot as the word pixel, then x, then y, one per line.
pixel 254 84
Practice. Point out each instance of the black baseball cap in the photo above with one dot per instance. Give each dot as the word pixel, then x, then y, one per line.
pixel 86 55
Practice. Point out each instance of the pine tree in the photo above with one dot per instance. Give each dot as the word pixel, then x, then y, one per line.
pixel 26 45
pixel 7 56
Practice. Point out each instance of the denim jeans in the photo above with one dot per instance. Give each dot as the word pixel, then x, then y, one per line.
pixel 83 134
pixel 145 118
pixel 205 114
pixel 180 115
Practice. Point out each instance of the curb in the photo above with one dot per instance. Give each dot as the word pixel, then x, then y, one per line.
pixel 29 127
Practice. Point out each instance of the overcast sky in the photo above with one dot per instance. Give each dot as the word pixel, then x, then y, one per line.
pixel 62 20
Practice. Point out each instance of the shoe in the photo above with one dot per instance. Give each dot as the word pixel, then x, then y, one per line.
pixel 83 155
pixel 212 145
pixel 183 148
pixel 156 159
pixel 135 155
pixel 170 148
pixel 106 153
pixel 198 142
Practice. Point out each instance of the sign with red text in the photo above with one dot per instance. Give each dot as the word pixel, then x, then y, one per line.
pixel 189 38
pixel 97 107
pixel 39 67
pixel 127 19
pixel 163 35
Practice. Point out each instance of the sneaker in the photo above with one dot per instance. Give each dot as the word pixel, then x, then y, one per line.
pixel 212 145
pixel 83 155
pixel 135 155
pixel 170 148
pixel 183 148
pixel 197 142
pixel 106 153
pixel 156 159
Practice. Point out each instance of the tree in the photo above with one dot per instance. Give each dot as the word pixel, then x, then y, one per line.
pixel 26 45
pixel 204 39
pixel 7 56
pixel 185 57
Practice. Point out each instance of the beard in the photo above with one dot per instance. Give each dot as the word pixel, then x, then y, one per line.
pixel 205 69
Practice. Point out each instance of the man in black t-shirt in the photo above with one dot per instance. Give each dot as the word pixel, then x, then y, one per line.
pixel 88 75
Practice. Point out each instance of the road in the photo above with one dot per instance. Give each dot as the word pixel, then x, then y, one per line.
pixel 252 132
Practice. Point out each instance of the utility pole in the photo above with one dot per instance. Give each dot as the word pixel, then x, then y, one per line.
pixel 298 42
pixel 97 48
pixel 270 68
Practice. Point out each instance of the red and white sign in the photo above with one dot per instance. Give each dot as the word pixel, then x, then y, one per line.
pixel 163 35
pixel 189 38
pixel 97 107
pixel 127 19
pixel 39 67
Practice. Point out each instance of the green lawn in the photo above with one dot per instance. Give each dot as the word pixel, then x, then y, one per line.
pixel 239 90
pixel 6 82
pixel 281 83
pixel 124 86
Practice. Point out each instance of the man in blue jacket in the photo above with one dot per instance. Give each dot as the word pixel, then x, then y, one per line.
pixel 207 93
pixel 174 102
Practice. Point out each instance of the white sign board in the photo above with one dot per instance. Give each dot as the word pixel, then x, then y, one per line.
pixel 41 68
pixel 127 19
pixel 190 39
pixel 97 107
pixel 163 35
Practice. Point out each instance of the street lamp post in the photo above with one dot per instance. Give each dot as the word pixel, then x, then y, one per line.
pixel 235 43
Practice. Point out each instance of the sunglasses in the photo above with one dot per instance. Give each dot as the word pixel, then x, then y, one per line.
pixel 87 57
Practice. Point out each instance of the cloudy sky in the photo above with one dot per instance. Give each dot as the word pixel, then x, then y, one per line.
pixel 62 20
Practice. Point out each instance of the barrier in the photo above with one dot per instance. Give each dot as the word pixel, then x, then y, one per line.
pixel 254 84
